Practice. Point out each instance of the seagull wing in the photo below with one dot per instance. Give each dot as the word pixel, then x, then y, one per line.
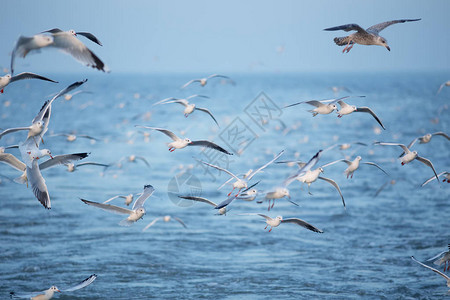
pixel 91 164
pixel 144 160
pixel 199 199
pixel 151 223
pixel 220 169
pixel 71 45
pixel 375 29
pixel 26 296
pixel 21 49
pixel 108 207
pixel 368 110
pixel 428 163
pixel 180 221
pixel 28 75
pixel 265 166
pixel 13 161
pixel 62 160
pixel 265 217
pixel 111 199
pixel 317 103
pixel 308 166
pixel 347 27
pixel 405 149
pixel 439 90
pixel 165 131
pixel 302 223
pixel 209 144
pixel 11 130
pixel 409 146
pixel 432 269
pixel 333 183
pixel 38 186
pixel 336 161
pixel 148 191
pixel 442 134
pixel 183 102
pixel 189 82
pixel 82 284
pixel 433 178
pixel 208 112
pixel 225 202
pixel 91 37
pixel 375 165
pixel 218 75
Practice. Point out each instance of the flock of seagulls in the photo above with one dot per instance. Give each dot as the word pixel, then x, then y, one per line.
pixel 243 188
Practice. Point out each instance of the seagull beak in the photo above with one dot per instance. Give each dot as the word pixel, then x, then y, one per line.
pixel 50 156
pixel 289 196
pixel 58 291
pixel 387 47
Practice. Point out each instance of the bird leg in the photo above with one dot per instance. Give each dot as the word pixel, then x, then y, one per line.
pixel 185 115
pixel 351 176
pixel 270 229
pixel 309 191
pixel 348 49
pixel 1 91
pixel 238 192
pixel 403 163
pixel 339 116
pixel 231 192
pixel 266 227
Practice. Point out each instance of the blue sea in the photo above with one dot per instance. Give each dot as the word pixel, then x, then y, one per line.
pixel 364 252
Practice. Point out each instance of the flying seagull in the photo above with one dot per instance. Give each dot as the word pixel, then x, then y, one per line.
pixel 370 36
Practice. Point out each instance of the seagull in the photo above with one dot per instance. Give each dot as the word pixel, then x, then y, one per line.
pixel 69 97
pixel 7 79
pixel 275 222
pixel 277 193
pixel 72 137
pixel 242 183
pixel 204 81
pixel 370 36
pixel 165 219
pixel 446 179
pixel 40 123
pixel 128 199
pixel 188 108
pixel 136 212
pixel 410 156
pixel 346 146
pixel 348 109
pixel 66 41
pixel 434 270
pixel 72 167
pixel 48 294
pixel 323 107
pixel 426 139
pixel 179 143
pixel 15 163
pixel 305 175
pixel 442 258
pixel 133 158
pixel 447 83
pixel 354 165
pixel 221 210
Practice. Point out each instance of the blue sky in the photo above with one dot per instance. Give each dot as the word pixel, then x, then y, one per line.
pixel 231 36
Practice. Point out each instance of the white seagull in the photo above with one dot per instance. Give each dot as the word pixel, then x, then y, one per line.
pixel 188 107
pixel 323 107
pixel 48 294
pixel 446 179
pixel 7 79
pixel 447 83
pixel 370 36
pixel 434 270
pixel 426 139
pixel 348 109
pixel 128 199
pixel 39 124
pixel 410 156
pixel 242 183
pixel 275 222
pixel 179 143
pixel 135 213
pixel 203 81
pixel 221 210
pixel 133 159
pixel 165 219
pixel 66 41
pixel 354 165
pixel 276 193
pixel 442 258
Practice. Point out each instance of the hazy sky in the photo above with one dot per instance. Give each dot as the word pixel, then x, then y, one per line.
pixel 231 36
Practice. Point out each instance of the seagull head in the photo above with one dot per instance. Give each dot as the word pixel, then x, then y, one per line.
pixel 320 169
pixel 72 32
pixel 333 106
pixel 40 124
pixel 7 76
pixel 188 141
pixel 47 152
pixel 382 42
pixel 358 157
pixel 279 218
pixel 54 289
